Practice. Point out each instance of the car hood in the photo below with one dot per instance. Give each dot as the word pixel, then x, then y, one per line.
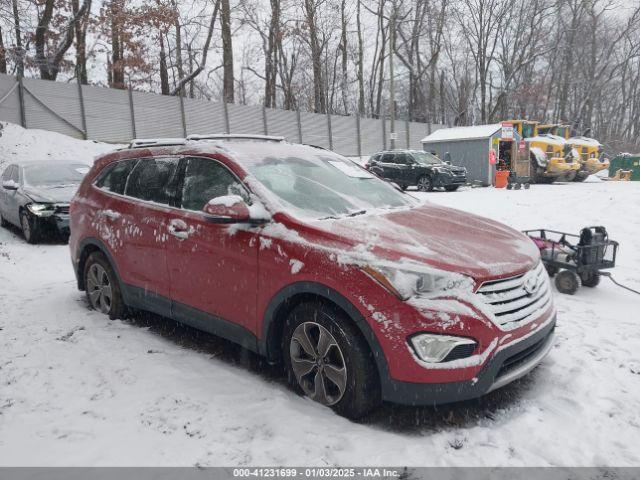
pixel 440 237
pixel 62 194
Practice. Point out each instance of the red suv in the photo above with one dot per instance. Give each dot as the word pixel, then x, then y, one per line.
pixel 296 253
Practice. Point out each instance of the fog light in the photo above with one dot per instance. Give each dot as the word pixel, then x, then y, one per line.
pixel 434 348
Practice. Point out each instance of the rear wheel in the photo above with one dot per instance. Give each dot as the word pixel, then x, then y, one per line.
pixel 590 279
pixel 567 281
pixel 328 360
pixel 425 184
pixel 30 227
pixel 102 287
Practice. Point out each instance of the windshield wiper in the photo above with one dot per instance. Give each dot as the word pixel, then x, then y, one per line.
pixel 352 214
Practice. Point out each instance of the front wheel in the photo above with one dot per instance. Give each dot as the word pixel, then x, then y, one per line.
pixel 425 184
pixel 102 286
pixel 328 360
pixel 567 281
pixel 590 279
pixel 30 228
pixel 451 188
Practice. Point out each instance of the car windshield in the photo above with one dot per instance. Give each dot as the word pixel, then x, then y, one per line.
pixel 322 184
pixel 55 174
pixel 426 158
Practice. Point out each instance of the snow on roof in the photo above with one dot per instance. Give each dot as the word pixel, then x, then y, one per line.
pixel 462 133
pixel 546 138
pixel 584 141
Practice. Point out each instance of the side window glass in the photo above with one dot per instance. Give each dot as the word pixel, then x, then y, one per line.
pixel 205 179
pixel 15 174
pixel 401 158
pixel 153 179
pixel 388 158
pixel 115 179
pixel 6 175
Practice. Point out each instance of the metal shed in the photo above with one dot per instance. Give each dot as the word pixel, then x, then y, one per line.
pixel 468 147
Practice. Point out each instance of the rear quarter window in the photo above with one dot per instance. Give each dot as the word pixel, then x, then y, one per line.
pixel 114 177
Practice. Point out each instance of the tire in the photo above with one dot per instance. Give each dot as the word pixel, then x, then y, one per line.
pixel 3 222
pixel 581 176
pixel 30 227
pixel 590 279
pixel 509 186
pixel 567 281
pixel 570 176
pixel 403 187
pixel 102 287
pixel 527 186
pixel 451 188
pixel 355 388
pixel 425 184
pixel 552 270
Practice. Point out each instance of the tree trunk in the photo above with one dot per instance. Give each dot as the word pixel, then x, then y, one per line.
pixel 345 58
pixel 3 54
pixel 81 41
pixel 178 29
pixel 227 51
pixel 319 100
pixel 117 57
pixel 361 110
pixel 164 75
pixel 18 32
pixel 271 56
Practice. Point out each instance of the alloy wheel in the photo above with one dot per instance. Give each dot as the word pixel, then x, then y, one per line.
pixel 99 288
pixel 318 363
pixel 424 184
pixel 26 226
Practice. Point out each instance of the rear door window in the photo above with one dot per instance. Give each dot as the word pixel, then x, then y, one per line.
pixel 6 175
pixel 115 178
pixel 206 179
pixel 153 180
pixel 401 158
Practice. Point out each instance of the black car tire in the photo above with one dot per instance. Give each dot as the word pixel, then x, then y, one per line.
pixel 552 270
pixel 30 227
pixel 116 308
pixel 361 390
pixel 451 188
pixel 425 184
pixel 590 279
pixel 567 281
pixel 3 222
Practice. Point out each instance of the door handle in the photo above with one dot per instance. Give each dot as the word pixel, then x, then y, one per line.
pixel 178 229
pixel 110 214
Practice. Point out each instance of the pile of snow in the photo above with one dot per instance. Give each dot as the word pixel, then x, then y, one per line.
pixel 20 144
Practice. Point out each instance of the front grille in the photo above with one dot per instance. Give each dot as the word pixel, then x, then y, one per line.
pixel 61 208
pixel 513 301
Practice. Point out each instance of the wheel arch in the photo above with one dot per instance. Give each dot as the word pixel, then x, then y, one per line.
pixel 292 295
pixel 86 248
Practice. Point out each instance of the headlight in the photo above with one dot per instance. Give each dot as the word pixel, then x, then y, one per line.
pixel 41 209
pixel 434 348
pixel 407 282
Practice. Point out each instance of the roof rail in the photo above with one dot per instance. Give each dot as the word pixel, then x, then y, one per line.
pixel 155 142
pixel 236 136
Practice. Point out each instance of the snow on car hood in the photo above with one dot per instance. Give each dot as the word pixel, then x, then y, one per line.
pixel 62 194
pixel 440 237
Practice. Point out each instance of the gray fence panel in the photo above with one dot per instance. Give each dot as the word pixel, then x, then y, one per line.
pixel 108 115
pixel 108 118
pixel 245 119
pixel 314 129
pixel 10 107
pixel 62 98
pixel 204 117
pixel 372 140
pixel 345 131
pixel 283 123
pixel 157 115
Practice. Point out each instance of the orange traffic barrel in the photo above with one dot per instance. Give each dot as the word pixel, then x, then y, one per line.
pixel 502 177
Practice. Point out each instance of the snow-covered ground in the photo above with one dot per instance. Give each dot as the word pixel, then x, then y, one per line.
pixel 79 389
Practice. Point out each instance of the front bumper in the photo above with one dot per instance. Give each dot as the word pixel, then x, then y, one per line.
pixel 446 180
pixel 506 365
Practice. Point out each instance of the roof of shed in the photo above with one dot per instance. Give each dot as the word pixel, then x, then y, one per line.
pixel 463 133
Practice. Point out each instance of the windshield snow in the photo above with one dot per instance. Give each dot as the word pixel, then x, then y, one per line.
pixel 54 174
pixel 320 183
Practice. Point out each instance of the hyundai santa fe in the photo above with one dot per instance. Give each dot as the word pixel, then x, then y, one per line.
pixel 362 292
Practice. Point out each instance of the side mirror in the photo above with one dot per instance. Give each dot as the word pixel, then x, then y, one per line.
pixel 9 185
pixel 230 209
